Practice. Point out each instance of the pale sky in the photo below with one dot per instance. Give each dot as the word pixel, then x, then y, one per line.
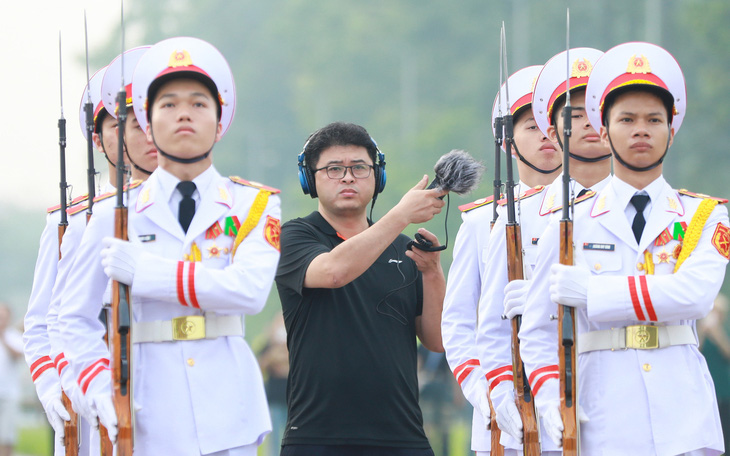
pixel 30 85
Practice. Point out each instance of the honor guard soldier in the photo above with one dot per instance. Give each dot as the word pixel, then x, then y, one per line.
pixel 140 152
pixel 535 208
pixel 649 261
pixel 202 253
pixel 354 301
pixel 538 162
pixel 46 365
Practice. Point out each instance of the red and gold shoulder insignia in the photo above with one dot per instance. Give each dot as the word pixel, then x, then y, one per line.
pixel 721 240
pixel 526 194
pixel 684 191
pixel 130 186
pixel 73 202
pixel 253 184
pixel 475 204
pixel 586 196
pixel 272 232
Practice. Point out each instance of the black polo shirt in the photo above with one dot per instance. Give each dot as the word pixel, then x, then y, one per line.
pixel 352 350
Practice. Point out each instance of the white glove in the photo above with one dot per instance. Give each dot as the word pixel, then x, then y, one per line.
pixel 78 401
pixel 569 285
pixel 508 417
pixel 553 422
pixel 119 259
pixel 515 297
pixel 101 405
pixel 48 387
pixel 485 411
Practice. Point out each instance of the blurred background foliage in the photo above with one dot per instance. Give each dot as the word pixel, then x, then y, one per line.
pixel 420 76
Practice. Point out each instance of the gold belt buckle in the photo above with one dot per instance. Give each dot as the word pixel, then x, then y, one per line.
pixel 191 327
pixel 642 337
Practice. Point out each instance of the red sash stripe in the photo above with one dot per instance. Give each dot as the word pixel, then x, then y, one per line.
pixel 191 285
pixel 647 298
pixel 180 289
pixel 635 298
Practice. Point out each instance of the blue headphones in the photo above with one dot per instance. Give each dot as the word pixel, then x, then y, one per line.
pixel 306 177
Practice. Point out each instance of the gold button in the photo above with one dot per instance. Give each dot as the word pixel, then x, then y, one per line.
pixel 647 367
pixel 597 266
pixel 639 266
pixel 191 362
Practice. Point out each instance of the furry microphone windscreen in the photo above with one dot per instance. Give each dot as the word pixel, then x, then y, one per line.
pixel 457 172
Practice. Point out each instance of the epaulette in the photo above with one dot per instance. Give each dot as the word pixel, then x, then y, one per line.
pixel 475 204
pixel 253 184
pixel 526 194
pixel 77 200
pixel 684 191
pixel 584 197
pixel 103 196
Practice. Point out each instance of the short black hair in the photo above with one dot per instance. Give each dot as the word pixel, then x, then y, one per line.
pixel 663 94
pixel 338 134
pixel 203 79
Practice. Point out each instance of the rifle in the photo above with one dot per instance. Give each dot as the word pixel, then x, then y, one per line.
pixel 121 308
pixel 71 437
pixel 566 315
pixel 106 444
pixel 515 271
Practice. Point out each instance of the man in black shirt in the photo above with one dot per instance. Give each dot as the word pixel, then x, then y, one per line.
pixel 354 299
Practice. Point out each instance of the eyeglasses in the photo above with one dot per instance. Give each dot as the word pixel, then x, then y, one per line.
pixel 360 171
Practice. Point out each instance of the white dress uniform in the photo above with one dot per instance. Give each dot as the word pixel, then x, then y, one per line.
pixel 636 400
pixel 459 317
pixel 191 397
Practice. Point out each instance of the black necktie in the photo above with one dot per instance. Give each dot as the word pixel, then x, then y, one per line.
pixel 187 204
pixel 583 192
pixel 639 202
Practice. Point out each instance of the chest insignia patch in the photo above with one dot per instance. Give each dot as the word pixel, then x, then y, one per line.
pixel 663 238
pixel 215 251
pixel 272 231
pixel 146 237
pixel 214 231
pixel 679 229
pixel 721 240
pixel 597 246
pixel 677 251
pixel 663 257
pixel 534 241
pixel 231 226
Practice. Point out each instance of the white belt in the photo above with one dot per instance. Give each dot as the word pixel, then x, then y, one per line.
pixel 641 337
pixel 191 327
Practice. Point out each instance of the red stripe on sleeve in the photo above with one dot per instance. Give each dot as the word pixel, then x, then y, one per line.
pixel 92 376
pixel 635 298
pixel 58 359
pixel 39 361
pixel 536 372
pixel 647 298
pixel 499 380
pixel 41 370
pixel 463 374
pixel 491 375
pixel 180 289
pixel 102 361
pixel 541 381
pixel 191 285
pixel 62 366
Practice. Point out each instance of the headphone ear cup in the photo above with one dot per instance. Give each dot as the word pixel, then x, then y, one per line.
pixel 380 176
pixel 306 179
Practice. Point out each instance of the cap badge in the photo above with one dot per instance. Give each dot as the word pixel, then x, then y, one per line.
pixel 581 68
pixel 180 59
pixel 638 65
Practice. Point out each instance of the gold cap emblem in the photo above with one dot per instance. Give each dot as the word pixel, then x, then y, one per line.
pixel 179 59
pixel 638 65
pixel 581 68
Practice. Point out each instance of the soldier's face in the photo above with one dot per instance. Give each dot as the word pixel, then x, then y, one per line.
pixel 108 137
pixel 533 145
pixel 348 194
pixel 585 140
pixel 184 119
pixel 142 151
pixel 638 128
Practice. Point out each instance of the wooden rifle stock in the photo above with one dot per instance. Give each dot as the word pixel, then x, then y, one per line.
pixel 107 449
pixel 122 348
pixel 496 448
pixel 566 353
pixel 71 428
pixel 523 395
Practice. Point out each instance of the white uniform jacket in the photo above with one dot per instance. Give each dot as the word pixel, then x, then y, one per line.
pixel 639 401
pixel 459 317
pixel 190 397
